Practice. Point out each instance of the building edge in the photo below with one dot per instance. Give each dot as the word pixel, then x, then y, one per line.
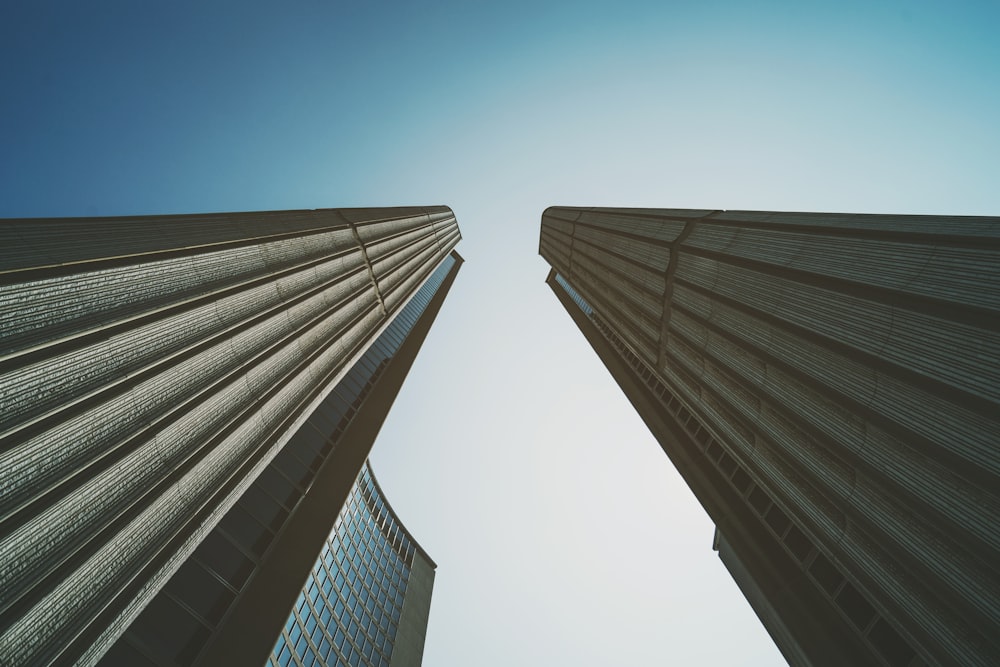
pixel 806 612
pixel 249 634
pixel 408 648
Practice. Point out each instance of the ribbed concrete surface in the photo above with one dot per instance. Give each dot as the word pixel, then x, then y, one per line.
pixel 850 364
pixel 143 359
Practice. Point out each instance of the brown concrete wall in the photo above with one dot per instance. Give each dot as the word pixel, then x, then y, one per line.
pixel 850 365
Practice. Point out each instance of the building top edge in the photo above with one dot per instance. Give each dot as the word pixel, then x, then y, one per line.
pixel 395 515
pixel 368 213
pixel 755 215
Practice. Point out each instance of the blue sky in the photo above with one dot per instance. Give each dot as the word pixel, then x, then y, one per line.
pixel 562 533
pixel 121 107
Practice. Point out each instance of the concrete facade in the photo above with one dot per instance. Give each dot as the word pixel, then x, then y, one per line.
pixel 155 368
pixel 829 387
pixel 409 648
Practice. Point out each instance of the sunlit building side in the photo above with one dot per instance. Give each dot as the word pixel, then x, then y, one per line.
pixel 828 385
pixel 187 402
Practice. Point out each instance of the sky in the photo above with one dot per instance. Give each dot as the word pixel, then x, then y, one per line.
pixel 562 534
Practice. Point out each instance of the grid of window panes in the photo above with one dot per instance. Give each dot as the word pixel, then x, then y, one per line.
pixel 580 301
pixel 197 598
pixel 347 615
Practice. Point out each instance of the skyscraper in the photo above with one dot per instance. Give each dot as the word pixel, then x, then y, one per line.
pixel 368 596
pixel 187 401
pixel 828 386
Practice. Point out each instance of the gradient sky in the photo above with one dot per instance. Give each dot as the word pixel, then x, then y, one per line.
pixel 562 533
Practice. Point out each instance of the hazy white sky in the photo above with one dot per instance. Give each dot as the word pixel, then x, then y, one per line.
pixel 562 533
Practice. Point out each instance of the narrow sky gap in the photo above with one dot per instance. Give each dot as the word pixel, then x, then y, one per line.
pixel 561 532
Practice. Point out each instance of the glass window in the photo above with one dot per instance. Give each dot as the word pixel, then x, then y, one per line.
pixel 187 635
pixel 328 415
pixel 366 363
pixel 349 393
pixel 307 443
pixel 246 531
pixel 278 487
pixel 357 376
pixel 263 507
pixel 123 654
pixel 199 590
pixel 337 402
pixel 293 468
pixel 222 557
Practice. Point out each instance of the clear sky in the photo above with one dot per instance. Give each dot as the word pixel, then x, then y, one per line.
pixel 562 533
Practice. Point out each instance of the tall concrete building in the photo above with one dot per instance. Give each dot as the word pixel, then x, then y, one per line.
pixel 829 387
pixel 186 404
pixel 368 596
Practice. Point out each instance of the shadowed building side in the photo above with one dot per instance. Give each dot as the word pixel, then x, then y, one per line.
pixel 828 386
pixel 227 603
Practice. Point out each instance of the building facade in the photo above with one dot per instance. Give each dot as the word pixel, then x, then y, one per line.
pixel 368 596
pixel 184 400
pixel 828 385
